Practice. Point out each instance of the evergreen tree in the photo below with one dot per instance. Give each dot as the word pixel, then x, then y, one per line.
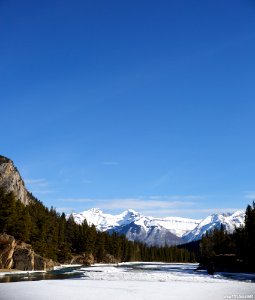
pixel 56 237
pixel 249 235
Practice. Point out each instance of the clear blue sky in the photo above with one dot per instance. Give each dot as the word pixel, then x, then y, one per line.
pixel 141 104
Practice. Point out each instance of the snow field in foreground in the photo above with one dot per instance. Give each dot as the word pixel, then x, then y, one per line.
pixel 122 290
pixel 134 281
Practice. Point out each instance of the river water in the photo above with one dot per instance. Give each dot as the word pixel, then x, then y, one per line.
pixel 127 271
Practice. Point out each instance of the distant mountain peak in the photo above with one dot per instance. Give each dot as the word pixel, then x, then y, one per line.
pixel 96 211
pixel 229 222
pixel 130 212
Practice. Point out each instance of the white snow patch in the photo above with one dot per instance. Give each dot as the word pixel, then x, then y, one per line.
pixel 129 281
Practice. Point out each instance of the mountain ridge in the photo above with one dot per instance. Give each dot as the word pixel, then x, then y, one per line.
pixel 155 231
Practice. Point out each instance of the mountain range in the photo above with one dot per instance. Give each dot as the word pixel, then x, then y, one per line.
pixel 135 226
pixel 159 231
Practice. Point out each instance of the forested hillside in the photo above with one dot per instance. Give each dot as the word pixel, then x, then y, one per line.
pixel 233 252
pixel 53 236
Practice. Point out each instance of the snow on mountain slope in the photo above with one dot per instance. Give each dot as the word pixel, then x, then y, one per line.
pixel 104 222
pixel 229 222
pixel 176 225
pixel 150 234
pixel 158 231
pixel 152 231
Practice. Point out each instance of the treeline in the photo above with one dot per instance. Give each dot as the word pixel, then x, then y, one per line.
pixel 53 236
pixel 236 252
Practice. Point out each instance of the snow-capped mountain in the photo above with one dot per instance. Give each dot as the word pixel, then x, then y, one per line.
pixel 105 222
pixel 229 222
pixel 158 231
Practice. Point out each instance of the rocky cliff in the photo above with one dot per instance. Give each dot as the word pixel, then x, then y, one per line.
pixel 21 256
pixel 11 181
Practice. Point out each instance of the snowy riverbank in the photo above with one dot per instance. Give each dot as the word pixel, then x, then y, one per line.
pixel 131 281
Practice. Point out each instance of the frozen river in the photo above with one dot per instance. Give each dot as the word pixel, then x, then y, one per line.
pixel 127 281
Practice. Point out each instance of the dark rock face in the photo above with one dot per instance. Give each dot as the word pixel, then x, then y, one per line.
pixel 154 236
pixel 43 264
pixel 21 256
pixel 110 259
pixel 84 259
pixel 88 259
pixel 39 263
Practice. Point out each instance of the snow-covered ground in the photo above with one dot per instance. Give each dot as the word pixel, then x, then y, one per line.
pixel 132 281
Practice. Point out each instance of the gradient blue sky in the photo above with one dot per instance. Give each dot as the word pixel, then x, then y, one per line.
pixel 136 104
